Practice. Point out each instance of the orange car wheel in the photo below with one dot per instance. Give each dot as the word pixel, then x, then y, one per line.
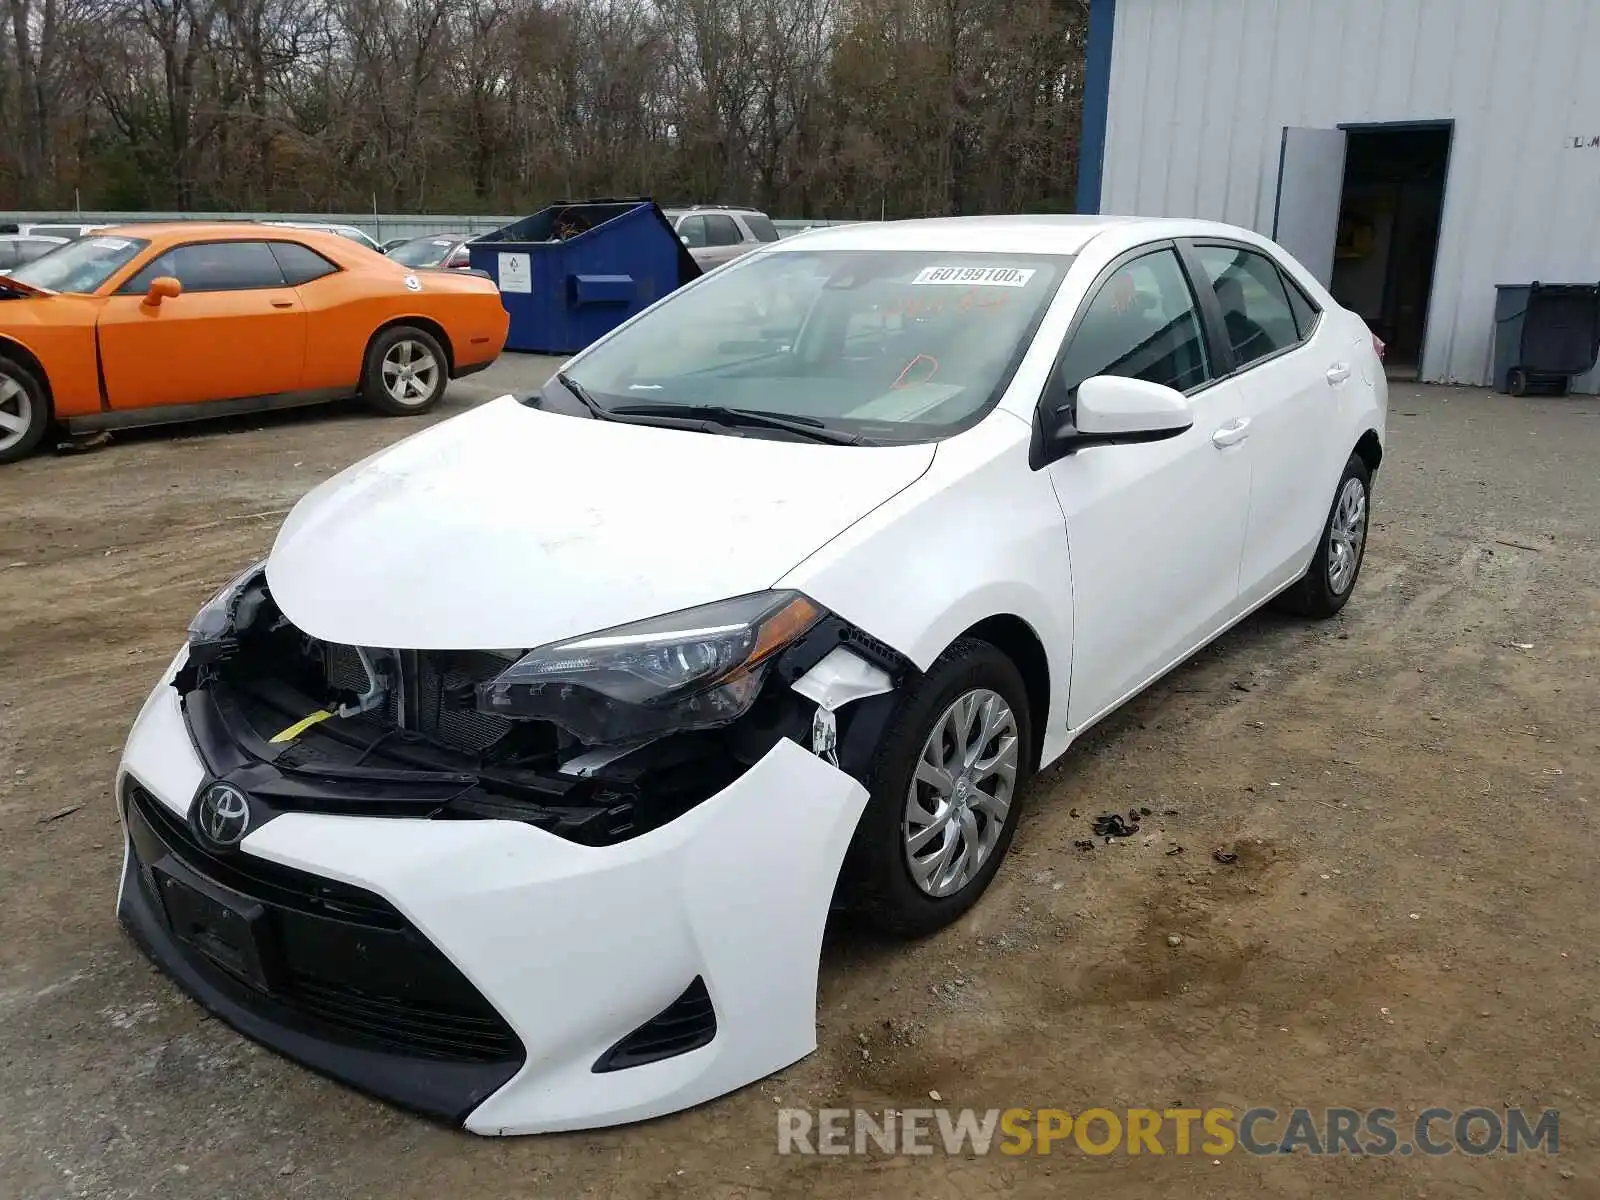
pixel 406 371
pixel 24 411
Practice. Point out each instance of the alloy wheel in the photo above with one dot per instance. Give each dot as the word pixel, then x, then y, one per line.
pixel 16 411
pixel 410 372
pixel 1346 534
pixel 961 792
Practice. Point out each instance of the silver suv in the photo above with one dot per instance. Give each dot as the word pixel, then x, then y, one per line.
pixel 716 234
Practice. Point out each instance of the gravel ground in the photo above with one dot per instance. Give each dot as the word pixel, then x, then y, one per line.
pixel 1409 790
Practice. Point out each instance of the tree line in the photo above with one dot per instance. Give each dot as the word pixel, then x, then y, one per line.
pixel 807 108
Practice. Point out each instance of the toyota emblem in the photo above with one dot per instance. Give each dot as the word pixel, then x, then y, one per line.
pixel 223 815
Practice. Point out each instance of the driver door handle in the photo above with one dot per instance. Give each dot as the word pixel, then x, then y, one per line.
pixel 1231 434
pixel 1338 373
pixel 283 304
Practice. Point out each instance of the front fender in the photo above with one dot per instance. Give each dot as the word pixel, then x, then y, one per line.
pixel 980 535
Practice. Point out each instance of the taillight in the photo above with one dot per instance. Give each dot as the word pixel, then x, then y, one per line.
pixel 1378 346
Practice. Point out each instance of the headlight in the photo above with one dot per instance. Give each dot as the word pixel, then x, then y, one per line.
pixel 212 631
pixel 694 669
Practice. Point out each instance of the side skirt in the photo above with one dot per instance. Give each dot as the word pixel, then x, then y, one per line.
pixel 168 414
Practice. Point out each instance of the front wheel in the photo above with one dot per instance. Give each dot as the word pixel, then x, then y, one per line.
pixel 944 794
pixel 24 411
pixel 405 372
pixel 1332 577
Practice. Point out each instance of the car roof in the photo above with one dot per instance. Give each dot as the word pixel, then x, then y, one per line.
pixel 213 231
pixel 1047 233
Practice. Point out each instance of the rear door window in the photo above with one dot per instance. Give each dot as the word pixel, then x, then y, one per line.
pixel 1255 306
pixel 300 264
pixel 721 230
pixel 1305 312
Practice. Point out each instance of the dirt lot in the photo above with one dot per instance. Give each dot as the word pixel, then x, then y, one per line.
pixel 1410 789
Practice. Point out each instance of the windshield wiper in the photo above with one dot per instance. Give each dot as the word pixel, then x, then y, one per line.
pixel 596 409
pixel 806 427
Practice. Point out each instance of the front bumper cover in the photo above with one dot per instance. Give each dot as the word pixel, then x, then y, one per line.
pixel 574 946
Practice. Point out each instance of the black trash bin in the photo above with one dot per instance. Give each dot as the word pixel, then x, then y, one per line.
pixel 1544 334
pixel 573 272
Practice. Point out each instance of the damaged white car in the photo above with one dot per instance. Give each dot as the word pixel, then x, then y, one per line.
pixel 517 785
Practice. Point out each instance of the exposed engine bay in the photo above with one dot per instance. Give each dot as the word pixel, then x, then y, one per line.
pixel 317 726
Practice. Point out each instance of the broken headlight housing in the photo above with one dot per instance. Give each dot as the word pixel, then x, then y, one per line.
pixel 695 669
pixel 212 632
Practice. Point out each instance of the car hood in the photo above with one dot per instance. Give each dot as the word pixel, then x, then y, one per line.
pixel 17 287
pixel 508 527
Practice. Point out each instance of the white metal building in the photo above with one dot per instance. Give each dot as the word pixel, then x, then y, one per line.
pixel 1412 153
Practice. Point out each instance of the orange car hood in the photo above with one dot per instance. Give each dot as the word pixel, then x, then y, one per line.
pixel 26 289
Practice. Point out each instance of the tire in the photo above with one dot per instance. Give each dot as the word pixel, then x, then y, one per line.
pixel 405 372
pixel 877 884
pixel 24 411
pixel 1325 588
pixel 1517 382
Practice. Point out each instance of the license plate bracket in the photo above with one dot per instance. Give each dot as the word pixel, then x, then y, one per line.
pixel 225 927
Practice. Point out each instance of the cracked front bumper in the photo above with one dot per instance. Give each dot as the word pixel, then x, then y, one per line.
pixel 569 948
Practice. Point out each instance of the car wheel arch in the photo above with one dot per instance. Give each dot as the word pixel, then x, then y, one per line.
pixel 27 359
pixel 1018 641
pixel 1370 449
pixel 429 326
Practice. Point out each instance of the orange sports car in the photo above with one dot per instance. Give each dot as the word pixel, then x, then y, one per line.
pixel 156 323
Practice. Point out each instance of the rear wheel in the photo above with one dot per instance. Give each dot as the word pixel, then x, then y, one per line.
pixel 24 411
pixel 406 371
pixel 1332 577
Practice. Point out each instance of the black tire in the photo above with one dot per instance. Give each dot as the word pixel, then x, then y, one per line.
pixel 1315 595
pixel 22 396
pixel 876 884
pixel 1517 381
pixel 376 386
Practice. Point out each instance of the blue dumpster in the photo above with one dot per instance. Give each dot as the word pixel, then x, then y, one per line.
pixel 573 272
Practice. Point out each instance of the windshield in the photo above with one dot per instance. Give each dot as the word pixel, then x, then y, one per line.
pixel 889 345
pixel 80 266
pixel 424 252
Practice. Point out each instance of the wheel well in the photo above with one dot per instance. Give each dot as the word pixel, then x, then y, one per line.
pixel 1370 450
pixel 1015 638
pixel 427 326
pixel 23 357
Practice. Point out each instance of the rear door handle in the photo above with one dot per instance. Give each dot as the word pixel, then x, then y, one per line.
pixel 1231 434
pixel 1338 373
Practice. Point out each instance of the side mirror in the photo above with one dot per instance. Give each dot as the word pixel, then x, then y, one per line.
pixel 1107 409
pixel 163 287
pixel 1111 406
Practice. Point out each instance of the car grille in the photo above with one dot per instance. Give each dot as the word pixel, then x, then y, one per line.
pixel 439 681
pixel 260 879
pixel 344 962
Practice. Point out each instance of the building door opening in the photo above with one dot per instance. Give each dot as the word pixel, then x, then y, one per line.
pixel 1388 233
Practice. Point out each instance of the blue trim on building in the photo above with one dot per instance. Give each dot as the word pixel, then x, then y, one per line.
pixel 1096 101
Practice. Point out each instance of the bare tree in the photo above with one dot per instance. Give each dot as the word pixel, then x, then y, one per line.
pixel 854 108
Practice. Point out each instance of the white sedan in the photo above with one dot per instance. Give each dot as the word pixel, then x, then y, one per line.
pixel 517 785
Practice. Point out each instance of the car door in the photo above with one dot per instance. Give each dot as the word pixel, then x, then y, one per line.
pixel 237 330
pixel 1155 529
pixel 1289 377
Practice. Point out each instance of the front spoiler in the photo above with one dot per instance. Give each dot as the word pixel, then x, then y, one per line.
pixel 575 946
